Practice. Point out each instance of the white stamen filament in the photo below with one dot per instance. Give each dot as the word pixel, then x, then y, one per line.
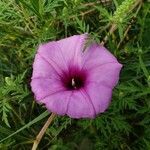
pixel 73 83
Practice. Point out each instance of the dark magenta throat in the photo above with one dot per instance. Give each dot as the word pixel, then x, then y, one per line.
pixel 75 83
pixel 74 79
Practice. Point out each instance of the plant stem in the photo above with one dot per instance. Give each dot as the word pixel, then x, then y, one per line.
pixel 43 130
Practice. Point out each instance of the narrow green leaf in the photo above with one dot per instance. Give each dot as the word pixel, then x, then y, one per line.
pixel 143 67
pixel 35 4
pixel 40 117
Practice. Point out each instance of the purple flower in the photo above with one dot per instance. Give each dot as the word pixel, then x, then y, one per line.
pixel 71 81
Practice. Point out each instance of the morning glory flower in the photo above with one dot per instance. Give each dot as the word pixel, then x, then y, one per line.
pixel 70 80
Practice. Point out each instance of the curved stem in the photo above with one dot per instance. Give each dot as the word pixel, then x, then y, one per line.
pixel 43 130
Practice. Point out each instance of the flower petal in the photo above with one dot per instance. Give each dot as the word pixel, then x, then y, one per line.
pixel 100 96
pixel 42 68
pixel 60 54
pixel 96 55
pixel 72 48
pixel 101 65
pixel 45 87
pixel 80 106
pixel 52 54
pixel 107 74
pixel 58 103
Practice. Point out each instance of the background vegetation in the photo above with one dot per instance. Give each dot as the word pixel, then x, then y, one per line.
pixel 26 23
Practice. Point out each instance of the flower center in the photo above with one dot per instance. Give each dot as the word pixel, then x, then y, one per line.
pixel 74 79
pixel 75 83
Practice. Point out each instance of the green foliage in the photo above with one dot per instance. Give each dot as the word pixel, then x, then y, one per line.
pixel 24 24
pixel 11 91
pixel 122 10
